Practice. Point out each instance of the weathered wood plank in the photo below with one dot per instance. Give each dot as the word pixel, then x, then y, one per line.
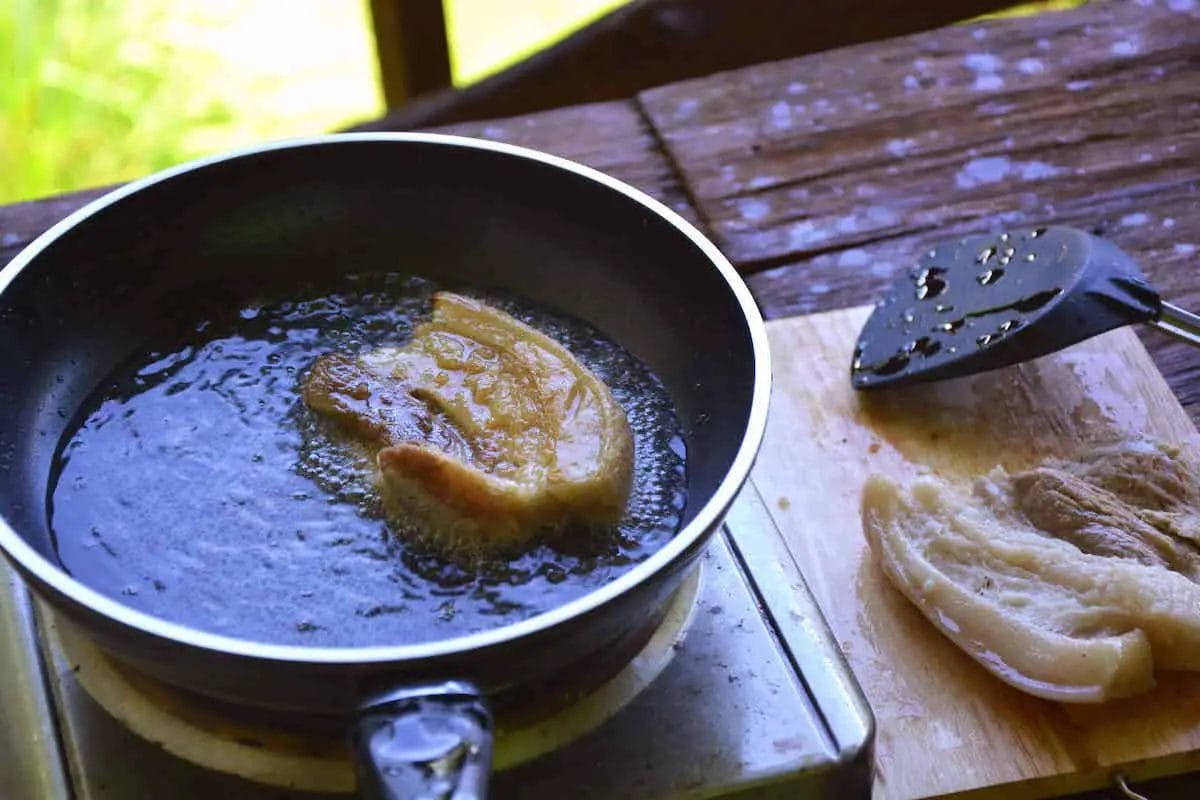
pixel 823 176
pixel 612 137
pixel 21 223
pixel 623 52
pixel 947 131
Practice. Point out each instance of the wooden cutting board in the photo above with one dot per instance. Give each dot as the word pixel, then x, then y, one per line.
pixel 944 724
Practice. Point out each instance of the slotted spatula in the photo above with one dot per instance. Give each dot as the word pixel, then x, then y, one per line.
pixel 989 301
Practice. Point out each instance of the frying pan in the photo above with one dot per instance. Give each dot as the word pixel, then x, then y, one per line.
pixel 80 300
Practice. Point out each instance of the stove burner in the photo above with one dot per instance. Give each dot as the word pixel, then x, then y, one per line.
pixel 313 755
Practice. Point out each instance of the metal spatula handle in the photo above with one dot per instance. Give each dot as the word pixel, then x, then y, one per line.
pixel 1179 322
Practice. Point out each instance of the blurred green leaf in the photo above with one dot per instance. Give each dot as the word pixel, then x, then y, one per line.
pixel 98 91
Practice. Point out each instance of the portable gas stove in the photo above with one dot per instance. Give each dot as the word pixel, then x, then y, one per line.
pixel 741 691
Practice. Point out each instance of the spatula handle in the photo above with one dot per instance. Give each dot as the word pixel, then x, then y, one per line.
pixel 1180 323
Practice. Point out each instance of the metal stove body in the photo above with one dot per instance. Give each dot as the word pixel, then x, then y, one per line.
pixel 755 701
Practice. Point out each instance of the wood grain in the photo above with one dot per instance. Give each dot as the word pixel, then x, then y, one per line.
pixel 21 223
pixel 612 137
pixel 411 47
pixel 825 175
pixel 1087 117
pixel 822 176
pixel 944 724
pixel 627 50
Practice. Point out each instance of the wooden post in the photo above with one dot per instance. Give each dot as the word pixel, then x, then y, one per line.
pixel 410 39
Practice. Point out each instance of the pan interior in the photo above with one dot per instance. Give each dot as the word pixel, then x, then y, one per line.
pixel 81 302
pixel 232 507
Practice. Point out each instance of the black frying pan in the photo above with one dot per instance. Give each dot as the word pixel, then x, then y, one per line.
pixel 82 297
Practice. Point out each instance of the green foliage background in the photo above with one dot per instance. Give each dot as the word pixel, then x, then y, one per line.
pixel 98 91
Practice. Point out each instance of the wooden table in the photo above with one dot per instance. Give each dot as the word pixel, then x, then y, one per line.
pixel 820 177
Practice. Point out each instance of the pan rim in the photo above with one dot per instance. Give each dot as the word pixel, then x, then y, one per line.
pixel 673 552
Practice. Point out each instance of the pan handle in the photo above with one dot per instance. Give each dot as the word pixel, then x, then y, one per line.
pixel 431 741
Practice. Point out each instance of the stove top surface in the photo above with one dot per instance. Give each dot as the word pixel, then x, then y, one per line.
pixel 755 700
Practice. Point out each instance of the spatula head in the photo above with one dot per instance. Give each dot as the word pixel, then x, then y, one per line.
pixel 988 301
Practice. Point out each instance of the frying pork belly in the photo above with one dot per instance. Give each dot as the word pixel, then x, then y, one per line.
pixel 485 431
